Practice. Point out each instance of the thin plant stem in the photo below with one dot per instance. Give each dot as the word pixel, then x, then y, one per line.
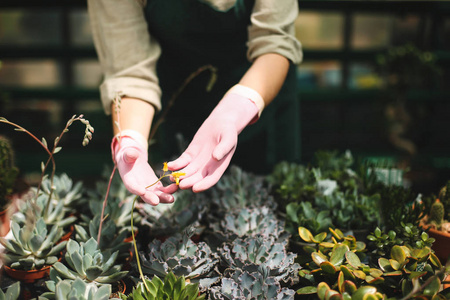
pixel 105 201
pixel 135 246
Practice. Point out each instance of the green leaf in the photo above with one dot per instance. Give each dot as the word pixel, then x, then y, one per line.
pixel 93 272
pixel 35 243
pixel 44 142
pixel 57 149
pixel 305 234
pixel 433 287
pixel 353 259
pixel 318 238
pixel 347 273
pixel 363 291
pixel 328 267
pixel 338 254
pixel 318 258
pixel 322 289
pixel 13 292
pixel 103 293
pixel 398 253
pixel 307 290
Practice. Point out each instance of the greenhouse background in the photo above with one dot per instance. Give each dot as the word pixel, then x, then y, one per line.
pixel 49 71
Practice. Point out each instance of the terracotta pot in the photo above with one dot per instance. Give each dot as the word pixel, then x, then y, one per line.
pixel 27 276
pixel 441 246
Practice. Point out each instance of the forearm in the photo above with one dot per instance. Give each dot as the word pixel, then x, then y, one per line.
pixel 134 114
pixel 267 75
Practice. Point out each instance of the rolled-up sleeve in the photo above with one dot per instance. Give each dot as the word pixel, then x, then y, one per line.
pixel 272 30
pixel 126 51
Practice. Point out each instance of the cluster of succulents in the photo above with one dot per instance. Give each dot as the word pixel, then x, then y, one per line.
pixel 341 267
pixel 168 219
pixel 182 257
pixel 332 192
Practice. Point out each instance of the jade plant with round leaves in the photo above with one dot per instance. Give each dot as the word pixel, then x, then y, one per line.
pixel 340 267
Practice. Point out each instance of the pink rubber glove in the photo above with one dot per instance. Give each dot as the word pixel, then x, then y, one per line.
pixel 131 158
pixel 210 152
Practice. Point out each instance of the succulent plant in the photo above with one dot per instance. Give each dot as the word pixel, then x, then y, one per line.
pixel 340 263
pixel 292 182
pixel 247 222
pixel 239 189
pixel 52 211
pixel 178 254
pixel 169 219
pixel 12 293
pixel 444 197
pixel 33 245
pixel 251 253
pixel 243 285
pixel 170 287
pixel 118 210
pixel 76 289
pixel 8 171
pixel 86 261
pixel 112 237
pixel 64 190
pixel 437 213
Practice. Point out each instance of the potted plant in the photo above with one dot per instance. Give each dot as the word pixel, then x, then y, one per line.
pixel 437 222
pixel 32 250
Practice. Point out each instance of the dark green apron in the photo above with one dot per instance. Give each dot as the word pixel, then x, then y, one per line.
pixel 192 34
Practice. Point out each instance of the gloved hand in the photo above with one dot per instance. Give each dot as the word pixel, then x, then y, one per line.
pixel 210 152
pixel 130 155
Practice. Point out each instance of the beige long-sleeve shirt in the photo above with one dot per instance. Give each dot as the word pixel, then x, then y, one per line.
pixel 128 53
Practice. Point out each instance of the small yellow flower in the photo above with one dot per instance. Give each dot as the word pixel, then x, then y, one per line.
pixel 176 176
pixel 165 168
